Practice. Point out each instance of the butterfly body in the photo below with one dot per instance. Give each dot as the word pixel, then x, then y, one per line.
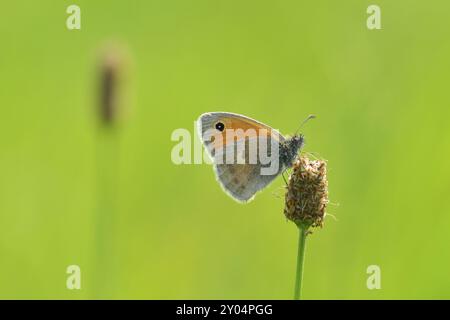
pixel 240 169
pixel 289 150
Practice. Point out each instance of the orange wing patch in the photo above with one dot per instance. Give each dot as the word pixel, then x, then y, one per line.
pixel 239 128
pixel 222 130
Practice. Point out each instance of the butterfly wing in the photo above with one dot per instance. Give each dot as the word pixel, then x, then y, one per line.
pixel 241 181
pixel 207 121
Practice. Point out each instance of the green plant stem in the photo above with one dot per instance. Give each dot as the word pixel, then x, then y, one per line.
pixel 106 214
pixel 303 232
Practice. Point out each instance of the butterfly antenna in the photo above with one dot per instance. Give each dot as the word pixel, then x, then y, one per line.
pixel 311 116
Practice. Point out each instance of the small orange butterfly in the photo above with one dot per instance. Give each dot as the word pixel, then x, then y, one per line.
pixel 243 179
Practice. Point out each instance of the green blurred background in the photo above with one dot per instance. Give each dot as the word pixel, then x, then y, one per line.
pixel 382 102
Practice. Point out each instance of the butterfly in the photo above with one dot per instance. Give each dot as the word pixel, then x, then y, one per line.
pixel 238 146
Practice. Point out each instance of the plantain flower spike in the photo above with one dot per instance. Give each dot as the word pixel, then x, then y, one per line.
pixel 307 193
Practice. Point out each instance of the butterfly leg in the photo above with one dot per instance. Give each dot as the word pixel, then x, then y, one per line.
pixel 284 178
